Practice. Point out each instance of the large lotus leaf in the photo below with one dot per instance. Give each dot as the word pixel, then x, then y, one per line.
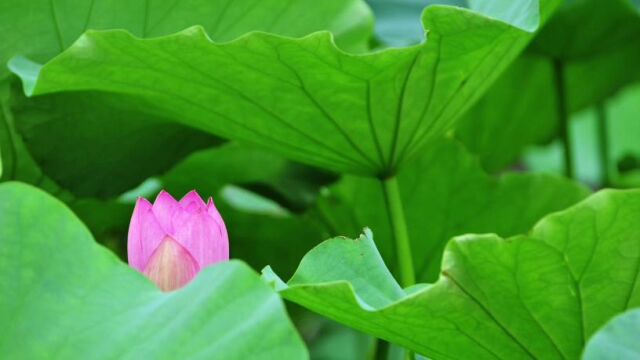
pixel 618 339
pixel 70 298
pixel 146 144
pixel 303 97
pixel 41 29
pixel 445 193
pixel 538 296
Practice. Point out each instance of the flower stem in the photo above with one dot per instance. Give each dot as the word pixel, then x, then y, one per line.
pixel 603 144
pixel 563 116
pixel 380 350
pixel 400 233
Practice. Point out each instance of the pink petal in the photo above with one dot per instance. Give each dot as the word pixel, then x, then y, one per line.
pixel 145 234
pixel 171 266
pixel 215 214
pixel 192 202
pixel 164 208
pixel 201 235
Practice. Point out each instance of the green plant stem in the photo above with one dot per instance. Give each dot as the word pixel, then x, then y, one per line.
pixel 603 144
pixel 380 350
pixel 401 237
pixel 400 233
pixel 563 116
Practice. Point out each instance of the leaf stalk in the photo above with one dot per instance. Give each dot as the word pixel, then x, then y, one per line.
pixel 563 116
pixel 400 233
pixel 603 144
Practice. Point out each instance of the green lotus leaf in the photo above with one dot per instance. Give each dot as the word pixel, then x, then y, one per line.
pixel 305 98
pixel 536 296
pixel 69 133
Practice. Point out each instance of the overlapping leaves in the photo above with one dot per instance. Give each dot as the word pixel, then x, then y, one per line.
pixel 597 44
pixel 536 296
pixel 306 99
pixel 445 192
pixel 69 133
pixel 540 296
pixel 71 298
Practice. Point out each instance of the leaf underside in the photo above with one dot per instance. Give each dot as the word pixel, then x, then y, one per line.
pixel 304 98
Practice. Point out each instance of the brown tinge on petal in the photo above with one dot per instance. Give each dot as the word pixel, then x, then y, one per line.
pixel 171 266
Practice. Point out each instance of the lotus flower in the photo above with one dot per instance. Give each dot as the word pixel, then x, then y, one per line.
pixel 171 241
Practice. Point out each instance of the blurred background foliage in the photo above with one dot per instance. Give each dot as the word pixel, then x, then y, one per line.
pixel 499 170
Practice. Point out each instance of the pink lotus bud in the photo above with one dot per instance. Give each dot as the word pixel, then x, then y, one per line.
pixel 171 241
